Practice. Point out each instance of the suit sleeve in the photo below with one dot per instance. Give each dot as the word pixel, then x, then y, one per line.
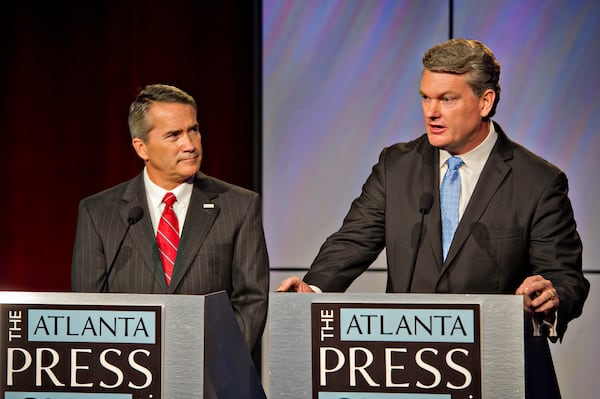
pixel 250 293
pixel 351 250
pixel 556 250
pixel 88 265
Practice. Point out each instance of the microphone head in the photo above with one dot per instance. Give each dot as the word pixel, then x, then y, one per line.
pixel 425 203
pixel 135 214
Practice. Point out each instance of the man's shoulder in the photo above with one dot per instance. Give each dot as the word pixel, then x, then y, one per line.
pixel 214 186
pixel 111 194
pixel 521 158
pixel 406 146
pixel 418 145
pixel 417 150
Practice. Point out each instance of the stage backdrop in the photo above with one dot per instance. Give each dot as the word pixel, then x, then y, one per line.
pixel 341 81
pixel 69 71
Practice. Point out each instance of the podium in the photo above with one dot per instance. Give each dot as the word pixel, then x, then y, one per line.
pixel 122 346
pixel 400 346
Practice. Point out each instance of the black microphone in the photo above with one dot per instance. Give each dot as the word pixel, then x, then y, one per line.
pixel 134 216
pixel 425 203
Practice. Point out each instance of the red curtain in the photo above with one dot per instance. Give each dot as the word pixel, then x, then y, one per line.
pixel 70 71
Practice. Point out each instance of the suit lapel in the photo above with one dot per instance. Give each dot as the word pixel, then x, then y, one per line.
pixel 142 233
pixel 430 178
pixel 201 215
pixel 493 174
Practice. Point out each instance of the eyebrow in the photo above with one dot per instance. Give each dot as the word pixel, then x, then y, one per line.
pixel 446 93
pixel 194 126
pixel 168 132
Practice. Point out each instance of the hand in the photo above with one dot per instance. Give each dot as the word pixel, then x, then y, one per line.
pixel 539 296
pixel 294 284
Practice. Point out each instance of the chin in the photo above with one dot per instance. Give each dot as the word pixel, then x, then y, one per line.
pixel 189 171
pixel 436 141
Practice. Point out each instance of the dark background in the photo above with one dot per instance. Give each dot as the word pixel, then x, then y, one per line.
pixel 69 71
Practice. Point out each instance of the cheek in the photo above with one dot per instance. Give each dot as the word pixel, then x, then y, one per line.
pixel 471 120
pixel 164 158
pixel 464 118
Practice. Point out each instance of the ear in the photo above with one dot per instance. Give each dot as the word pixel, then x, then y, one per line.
pixel 486 102
pixel 140 148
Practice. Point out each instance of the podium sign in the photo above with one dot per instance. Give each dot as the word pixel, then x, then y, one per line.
pixel 361 349
pixel 122 346
pixel 396 346
pixel 81 349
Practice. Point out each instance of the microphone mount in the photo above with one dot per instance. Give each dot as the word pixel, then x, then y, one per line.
pixel 425 203
pixel 134 216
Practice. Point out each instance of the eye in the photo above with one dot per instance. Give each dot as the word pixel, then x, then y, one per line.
pixel 448 100
pixel 172 135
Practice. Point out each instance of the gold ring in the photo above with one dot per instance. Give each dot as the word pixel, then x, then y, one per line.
pixel 552 295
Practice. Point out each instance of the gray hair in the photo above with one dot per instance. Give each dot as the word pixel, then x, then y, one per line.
pixel 471 58
pixel 139 125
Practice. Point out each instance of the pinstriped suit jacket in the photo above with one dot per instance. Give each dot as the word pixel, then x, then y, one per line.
pixel 221 248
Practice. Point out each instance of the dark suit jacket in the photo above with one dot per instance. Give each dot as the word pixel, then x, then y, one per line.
pixel 221 248
pixel 519 222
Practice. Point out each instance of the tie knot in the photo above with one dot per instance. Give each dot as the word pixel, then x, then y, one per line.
pixel 454 163
pixel 169 199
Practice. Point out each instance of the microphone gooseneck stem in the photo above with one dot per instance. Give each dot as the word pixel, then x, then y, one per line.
pixel 425 203
pixel 112 264
pixel 415 254
pixel 134 216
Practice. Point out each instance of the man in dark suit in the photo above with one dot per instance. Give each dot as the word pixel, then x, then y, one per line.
pixel 217 243
pixel 515 230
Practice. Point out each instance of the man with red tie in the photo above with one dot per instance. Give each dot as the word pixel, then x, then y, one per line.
pixel 195 235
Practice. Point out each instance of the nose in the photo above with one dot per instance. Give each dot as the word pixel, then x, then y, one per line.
pixel 431 109
pixel 188 142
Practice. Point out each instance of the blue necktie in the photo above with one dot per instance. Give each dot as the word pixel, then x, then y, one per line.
pixel 449 200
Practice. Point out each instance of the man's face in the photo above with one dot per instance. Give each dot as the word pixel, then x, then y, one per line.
pixel 453 114
pixel 172 151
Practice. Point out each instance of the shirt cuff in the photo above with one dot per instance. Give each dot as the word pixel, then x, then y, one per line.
pixel 315 289
pixel 541 325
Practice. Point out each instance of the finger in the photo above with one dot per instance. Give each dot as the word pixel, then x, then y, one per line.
pixel 537 288
pixel 288 284
pixel 547 307
pixel 529 285
pixel 305 288
pixel 546 300
pixel 527 306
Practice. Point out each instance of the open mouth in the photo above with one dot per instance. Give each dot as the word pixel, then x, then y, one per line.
pixel 437 128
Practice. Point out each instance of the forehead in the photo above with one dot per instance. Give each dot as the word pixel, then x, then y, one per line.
pixel 161 113
pixel 435 83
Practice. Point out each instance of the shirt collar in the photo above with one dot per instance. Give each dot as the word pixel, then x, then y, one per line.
pixel 155 193
pixel 478 156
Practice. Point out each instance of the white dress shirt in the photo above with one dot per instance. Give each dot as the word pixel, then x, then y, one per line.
pixel 469 172
pixel 155 195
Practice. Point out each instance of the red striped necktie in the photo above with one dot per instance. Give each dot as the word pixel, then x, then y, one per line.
pixel 167 236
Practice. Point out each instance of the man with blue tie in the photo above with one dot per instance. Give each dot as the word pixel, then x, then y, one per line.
pixel 497 218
